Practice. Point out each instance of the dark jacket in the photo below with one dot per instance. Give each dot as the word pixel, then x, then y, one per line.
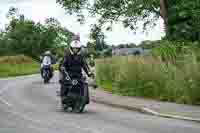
pixel 74 64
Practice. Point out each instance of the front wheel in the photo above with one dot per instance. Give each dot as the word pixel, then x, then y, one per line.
pixel 46 76
pixel 82 107
pixel 78 108
pixel 45 81
pixel 79 105
pixel 65 107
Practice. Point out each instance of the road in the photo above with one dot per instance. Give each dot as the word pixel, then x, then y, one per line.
pixel 29 106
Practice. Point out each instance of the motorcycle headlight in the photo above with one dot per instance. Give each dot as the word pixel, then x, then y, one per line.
pixel 74 82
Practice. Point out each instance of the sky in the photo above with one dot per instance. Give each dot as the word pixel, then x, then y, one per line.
pixel 39 10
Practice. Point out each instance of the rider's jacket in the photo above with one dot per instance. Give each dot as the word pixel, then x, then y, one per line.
pixel 46 61
pixel 74 63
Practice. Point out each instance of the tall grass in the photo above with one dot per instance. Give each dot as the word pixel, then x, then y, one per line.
pixel 151 78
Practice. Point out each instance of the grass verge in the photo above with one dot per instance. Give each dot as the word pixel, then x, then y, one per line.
pixel 18 65
pixel 150 78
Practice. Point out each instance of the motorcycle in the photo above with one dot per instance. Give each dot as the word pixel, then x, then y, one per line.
pixel 46 73
pixel 77 95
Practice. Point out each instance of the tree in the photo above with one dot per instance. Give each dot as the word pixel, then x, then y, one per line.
pixel 149 44
pixel 132 45
pixel 126 11
pixel 121 46
pixel 24 36
pixel 97 36
pixel 181 17
pixel 107 52
pixel 91 48
pixel 12 13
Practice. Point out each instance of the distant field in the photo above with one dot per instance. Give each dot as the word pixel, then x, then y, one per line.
pixel 18 65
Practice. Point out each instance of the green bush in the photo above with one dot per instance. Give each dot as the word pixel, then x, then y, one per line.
pixel 174 52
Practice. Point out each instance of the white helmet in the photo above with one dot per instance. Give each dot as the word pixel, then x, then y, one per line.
pixel 76 37
pixel 75 44
pixel 48 52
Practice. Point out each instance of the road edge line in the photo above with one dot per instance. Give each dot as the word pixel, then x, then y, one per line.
pixel 145 110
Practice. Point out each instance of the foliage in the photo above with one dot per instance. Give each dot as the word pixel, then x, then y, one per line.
pixel 184 19
pixel 150 78
pixel 24 36
pixel 175 52
pixel 107 52
pixel 97 45
pixel 18 65
pixel 97 36
pixel 129 12
pixel 181 16
pixel 91 49
pixel 150 44
pixel 131 45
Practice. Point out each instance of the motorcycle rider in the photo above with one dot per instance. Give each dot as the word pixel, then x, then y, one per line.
pixel 73 62
pixel 47 61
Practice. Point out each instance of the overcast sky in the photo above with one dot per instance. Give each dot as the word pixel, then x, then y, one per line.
pixel 39 10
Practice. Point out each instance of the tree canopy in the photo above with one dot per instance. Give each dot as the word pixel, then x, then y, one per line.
pixel 181 17
pixel 24 36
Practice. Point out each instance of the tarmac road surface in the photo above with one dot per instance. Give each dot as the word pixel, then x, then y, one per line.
pixel 29 106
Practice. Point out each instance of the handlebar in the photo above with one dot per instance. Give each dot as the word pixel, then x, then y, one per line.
pixel 66 73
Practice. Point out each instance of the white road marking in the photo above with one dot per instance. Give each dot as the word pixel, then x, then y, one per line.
pixel 5 102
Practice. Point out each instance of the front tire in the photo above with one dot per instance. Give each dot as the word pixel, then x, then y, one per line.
pixel 78 108
pixel 46 81
pixel 81 109
pixel 64 105
pixel 79 105
pixel 46 77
